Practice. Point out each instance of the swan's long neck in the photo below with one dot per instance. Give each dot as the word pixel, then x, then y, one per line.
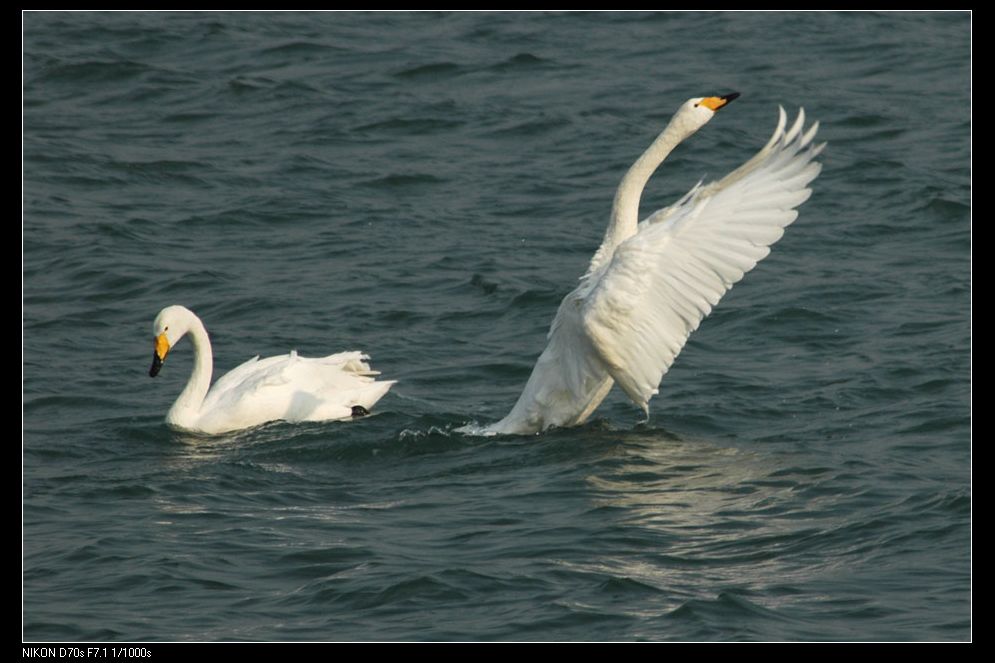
pixel 625 210
pixel 187 406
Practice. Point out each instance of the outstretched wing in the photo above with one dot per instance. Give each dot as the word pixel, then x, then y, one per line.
pixel 665 279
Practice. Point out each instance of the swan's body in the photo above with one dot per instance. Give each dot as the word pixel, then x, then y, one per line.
pixel 287 387
pixel 650 284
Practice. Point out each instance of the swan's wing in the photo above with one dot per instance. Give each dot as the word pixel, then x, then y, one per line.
pixel 256 374
pixel 293 388
pixel 240 373
pixel 568 381
pixel 664 280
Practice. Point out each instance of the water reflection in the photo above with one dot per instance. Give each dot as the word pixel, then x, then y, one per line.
pixel 664 481
pixel 695 518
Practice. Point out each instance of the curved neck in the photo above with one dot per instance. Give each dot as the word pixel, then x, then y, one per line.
pixel 625 210
pixel 188 405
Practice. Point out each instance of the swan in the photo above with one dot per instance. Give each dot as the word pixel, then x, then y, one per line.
pixel 287 387
pixel 650 284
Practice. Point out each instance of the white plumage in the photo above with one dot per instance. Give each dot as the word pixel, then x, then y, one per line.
pixel 286 387
pixel 650 284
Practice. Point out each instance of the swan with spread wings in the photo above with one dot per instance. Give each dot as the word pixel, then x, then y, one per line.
pixel 650 284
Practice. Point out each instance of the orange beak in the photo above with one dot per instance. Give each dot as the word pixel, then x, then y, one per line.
pixel 715 103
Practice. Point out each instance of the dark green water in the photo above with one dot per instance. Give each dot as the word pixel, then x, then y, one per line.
pixel 427 187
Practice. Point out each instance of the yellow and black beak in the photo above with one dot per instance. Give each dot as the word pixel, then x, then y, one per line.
pixel 159 355
pixel 715 103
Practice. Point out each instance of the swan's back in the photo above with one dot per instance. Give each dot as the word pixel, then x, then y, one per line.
pixel 291 388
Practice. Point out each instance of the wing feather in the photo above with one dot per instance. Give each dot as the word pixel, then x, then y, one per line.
pixel 660 283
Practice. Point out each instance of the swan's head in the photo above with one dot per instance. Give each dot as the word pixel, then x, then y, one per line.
pixel 172 323
pixel 695 113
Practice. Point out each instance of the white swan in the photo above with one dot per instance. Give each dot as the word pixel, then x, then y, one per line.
pixel 287 387
pixel 650 284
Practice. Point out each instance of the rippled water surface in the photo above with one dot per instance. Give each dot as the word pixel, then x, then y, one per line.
pixel 427 187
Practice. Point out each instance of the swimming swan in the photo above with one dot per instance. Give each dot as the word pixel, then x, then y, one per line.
pixel 650 284
pixel 288 387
